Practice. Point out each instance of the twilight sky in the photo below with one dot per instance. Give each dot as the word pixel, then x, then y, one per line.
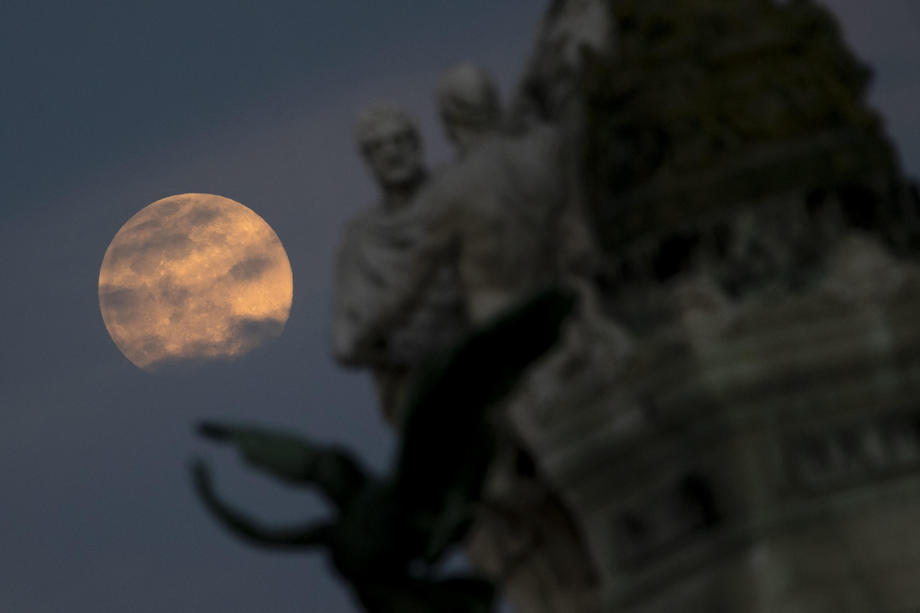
pixel 108 106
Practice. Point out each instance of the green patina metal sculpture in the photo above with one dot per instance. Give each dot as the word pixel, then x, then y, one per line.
pixel 390 532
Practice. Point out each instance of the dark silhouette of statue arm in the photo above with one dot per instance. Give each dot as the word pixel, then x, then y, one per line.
pixel 447 437
pixel 307 535
pixel 331 470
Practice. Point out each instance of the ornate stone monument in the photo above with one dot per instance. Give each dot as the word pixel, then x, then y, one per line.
pixel 742 437
pixel 757 447
pixel 727 423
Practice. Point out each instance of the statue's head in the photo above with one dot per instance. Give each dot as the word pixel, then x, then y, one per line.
pixel 390 143
pixel 469 104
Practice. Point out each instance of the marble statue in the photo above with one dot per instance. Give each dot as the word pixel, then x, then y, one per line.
pixel 374 253
pixel 498 211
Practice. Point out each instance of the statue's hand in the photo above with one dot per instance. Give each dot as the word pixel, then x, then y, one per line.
pixel 335 472
pixel 306 535
pixel 284 456
pixel 214 431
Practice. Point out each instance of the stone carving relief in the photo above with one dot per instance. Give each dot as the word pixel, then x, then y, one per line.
pixel 717 187
pixel 853 454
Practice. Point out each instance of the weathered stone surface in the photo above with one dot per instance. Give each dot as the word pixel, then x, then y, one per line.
pixel 753 445
pixel 727 424
pixel 790 432
pixel 708 129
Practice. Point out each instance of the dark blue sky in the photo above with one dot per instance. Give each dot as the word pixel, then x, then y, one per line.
pixel 108 106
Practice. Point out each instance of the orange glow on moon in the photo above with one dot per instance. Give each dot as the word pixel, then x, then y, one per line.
pixel 194 277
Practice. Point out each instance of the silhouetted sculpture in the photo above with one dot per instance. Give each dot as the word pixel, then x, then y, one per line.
pixel 390 532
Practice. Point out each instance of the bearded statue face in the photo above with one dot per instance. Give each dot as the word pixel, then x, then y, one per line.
pixel 391 147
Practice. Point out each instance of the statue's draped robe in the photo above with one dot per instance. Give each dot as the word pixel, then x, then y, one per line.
pixel 373 261
pixel 501 212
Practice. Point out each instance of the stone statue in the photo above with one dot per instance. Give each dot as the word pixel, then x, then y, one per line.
pixel 495 213
pixel 374 254
pixel 504 218
pixel 389 533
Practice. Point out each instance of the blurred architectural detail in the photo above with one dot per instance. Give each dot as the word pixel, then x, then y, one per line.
pixel 571 32
pixel 727 424
pixel 756 447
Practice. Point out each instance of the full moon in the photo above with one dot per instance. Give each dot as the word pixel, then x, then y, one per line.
pixel 192 278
